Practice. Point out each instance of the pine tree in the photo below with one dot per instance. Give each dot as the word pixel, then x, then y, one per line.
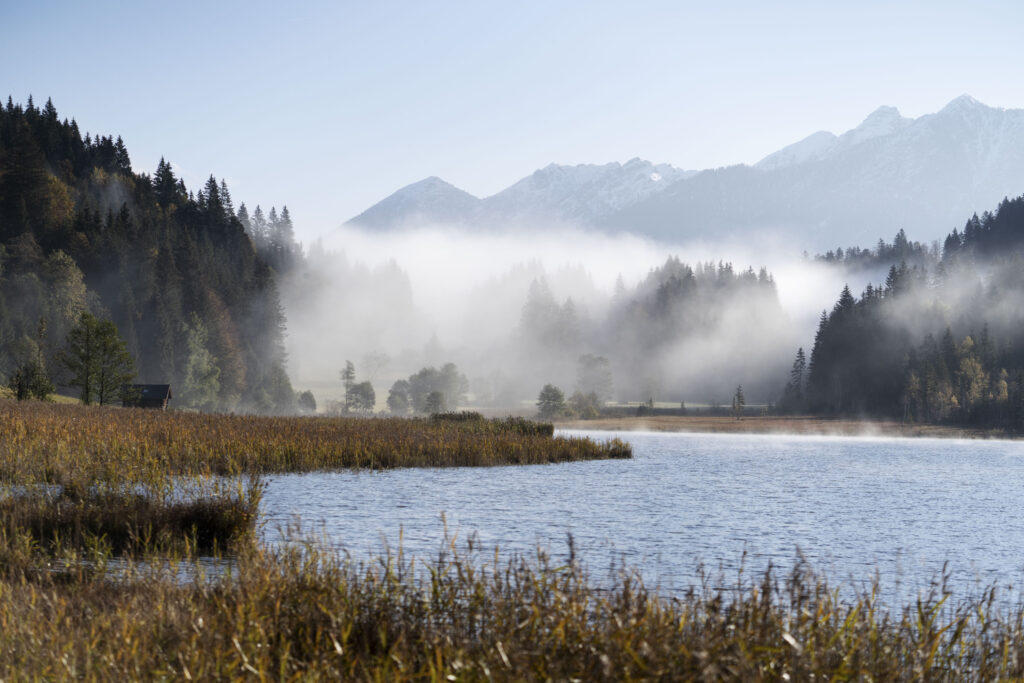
pixel 348 380
pixel 259 229
pixel 796 375
pixel 846 301
pixel 115 367
pixel 225 200
pixel 211 195
pixel 738 402
pixel 165 185
pixel 243 218
pixel 793 395
pixel 124 163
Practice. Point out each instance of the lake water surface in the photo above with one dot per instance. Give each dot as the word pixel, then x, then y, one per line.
pixel 852 506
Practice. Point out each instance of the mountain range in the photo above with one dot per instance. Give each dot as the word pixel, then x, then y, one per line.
pixel 925 175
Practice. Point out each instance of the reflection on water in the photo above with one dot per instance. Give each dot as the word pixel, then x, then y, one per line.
pixel 851 506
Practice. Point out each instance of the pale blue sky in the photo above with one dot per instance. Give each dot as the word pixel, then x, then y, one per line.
pixel 329 106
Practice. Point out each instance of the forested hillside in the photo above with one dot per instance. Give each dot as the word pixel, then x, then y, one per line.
pixel 945 344
pixel 191 293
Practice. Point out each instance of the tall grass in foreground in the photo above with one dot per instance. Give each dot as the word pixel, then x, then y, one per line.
pixel 295 612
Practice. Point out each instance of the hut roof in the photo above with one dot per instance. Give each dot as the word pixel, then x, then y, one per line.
pixel 151 392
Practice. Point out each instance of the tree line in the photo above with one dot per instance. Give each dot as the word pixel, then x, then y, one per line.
pixel 944 344
pixel 901 250
pixel 188 282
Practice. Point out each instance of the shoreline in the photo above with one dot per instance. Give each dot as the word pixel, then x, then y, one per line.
pixel 797 425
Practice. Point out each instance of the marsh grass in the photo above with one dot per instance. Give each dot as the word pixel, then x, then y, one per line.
pixel 510 425
pixel 296 612
pixel 42 442
pixel 121 522
pixel 103 511
pixel 127 478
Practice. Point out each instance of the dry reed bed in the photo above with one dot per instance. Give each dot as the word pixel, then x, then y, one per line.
pixel 216 518
pixel 291 613
pixel 119 478
pixel 40 441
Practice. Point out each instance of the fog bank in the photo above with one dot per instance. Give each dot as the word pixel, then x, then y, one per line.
pixel 396 301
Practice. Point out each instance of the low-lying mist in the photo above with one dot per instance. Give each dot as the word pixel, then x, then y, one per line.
pixel 516 309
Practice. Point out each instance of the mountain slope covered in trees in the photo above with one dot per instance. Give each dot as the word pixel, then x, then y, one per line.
pixel 945 344
pixel 193 297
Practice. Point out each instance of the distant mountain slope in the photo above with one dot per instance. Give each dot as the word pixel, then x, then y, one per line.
pixel 582 193
pixel 555 193
pixel 890 172
pixel 431 200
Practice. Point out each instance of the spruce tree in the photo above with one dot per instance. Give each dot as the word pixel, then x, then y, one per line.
pixel 348 380
pixel 738 402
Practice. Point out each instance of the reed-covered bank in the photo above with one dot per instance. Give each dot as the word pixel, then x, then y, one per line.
pixel 105 514
pixel 40 441
pixel 295 613
pixel 205 517
pixel 128 478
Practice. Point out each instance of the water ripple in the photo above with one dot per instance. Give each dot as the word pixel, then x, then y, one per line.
pixel 851 506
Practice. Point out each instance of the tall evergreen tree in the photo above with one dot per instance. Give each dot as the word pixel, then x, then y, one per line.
pixel 739 402
pixel 348 380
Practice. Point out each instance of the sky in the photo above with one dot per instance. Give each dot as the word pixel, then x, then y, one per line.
pixel 328 107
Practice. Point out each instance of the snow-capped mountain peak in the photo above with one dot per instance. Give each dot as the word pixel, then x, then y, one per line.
pixel 890 172
pixel 882 122
pixel 811 148
pixel 964 103
pixel 581 192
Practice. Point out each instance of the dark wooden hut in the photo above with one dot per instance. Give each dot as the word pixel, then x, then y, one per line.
pixel 146 396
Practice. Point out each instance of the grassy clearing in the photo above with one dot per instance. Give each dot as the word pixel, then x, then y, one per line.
pixel 8 395
pixel 295 613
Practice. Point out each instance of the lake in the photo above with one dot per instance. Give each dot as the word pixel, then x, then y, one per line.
pixel 852 506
